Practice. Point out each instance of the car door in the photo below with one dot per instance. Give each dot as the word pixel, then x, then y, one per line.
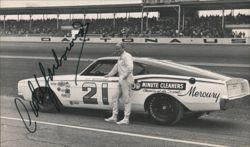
pixel 93 90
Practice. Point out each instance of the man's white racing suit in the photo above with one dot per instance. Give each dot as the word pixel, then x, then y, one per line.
pixel 124 67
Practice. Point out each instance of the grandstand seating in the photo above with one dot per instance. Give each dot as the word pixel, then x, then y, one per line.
pixel 209 26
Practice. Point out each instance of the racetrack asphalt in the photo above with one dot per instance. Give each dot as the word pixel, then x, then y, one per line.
pixel 72 127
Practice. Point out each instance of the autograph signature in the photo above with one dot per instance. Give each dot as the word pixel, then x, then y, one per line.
pixel 38 100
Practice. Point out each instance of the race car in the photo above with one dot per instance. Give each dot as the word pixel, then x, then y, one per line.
pixel 166 90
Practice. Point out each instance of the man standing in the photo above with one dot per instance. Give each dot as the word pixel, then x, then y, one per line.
pixel 124 68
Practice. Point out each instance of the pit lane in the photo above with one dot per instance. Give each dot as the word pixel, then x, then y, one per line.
pixel 229 128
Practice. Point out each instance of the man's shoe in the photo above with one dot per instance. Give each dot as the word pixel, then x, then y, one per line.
pixel 124 121
pixel 111 119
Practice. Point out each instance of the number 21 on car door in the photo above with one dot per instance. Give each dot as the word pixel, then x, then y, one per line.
pixel 98 93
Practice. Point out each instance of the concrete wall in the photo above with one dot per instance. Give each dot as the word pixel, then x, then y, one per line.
pixel 151 40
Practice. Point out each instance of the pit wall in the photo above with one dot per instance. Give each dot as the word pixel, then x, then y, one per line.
pixel 152 40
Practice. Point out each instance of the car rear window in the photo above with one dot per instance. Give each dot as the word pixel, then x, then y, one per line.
pixel 178 70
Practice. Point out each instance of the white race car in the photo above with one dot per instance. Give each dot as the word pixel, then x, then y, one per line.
pixel 164 89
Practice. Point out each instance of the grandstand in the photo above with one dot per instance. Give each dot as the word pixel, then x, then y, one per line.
pixel 177 18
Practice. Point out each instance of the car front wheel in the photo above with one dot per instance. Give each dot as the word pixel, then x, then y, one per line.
pixel 46 99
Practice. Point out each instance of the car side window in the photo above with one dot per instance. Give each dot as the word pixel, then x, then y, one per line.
pixel 103 67
pixel 139 69
pixel 100 68
pixel 151 69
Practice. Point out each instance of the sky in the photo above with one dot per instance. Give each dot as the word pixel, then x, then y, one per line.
pixel 38 3
pixel 41 3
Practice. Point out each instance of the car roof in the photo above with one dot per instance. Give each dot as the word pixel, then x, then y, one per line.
pixel 174 66
pixel 139 59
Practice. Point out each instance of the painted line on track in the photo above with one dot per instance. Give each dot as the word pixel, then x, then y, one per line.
pixel 91 59
pixel 119 133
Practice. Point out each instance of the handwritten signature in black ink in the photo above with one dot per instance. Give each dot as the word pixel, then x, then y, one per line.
pixel 40 94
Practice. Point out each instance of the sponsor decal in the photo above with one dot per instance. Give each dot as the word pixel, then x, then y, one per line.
pixel 105 39
pixel 64 88
pixel 210 40
pixel 160 85
pixel 59 89
pixel 162 91
pixel 67 85
pixel 62 83
pixel 67 90
pixel 45 39
pixel 151 40
pixel 238 40
pixel 127 40
pixel 155 90
pixel 193 92
pixel 66 95
pixel 175 41
pixel 73 102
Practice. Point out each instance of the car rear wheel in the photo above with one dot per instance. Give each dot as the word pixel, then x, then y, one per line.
pixel 45 99
pixel 165 109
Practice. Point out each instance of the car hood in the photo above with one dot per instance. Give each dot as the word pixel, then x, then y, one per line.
pixel 55 78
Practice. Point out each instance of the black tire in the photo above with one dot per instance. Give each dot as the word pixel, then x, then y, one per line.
pixel 46 98
pixel 165 110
